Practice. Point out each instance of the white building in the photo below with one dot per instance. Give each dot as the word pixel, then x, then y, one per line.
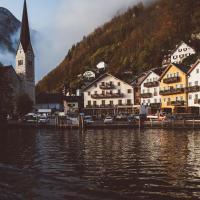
pixel 181 52
pixel 150 89
pixel 108 95
pixel 194 85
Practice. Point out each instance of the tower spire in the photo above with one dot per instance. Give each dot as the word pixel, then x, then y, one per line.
pixel 25 31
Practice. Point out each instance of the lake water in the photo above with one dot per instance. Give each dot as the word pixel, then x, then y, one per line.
pixel 99 165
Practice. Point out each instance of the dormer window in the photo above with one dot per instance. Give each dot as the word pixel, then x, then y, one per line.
pixel 180 50
pixel 185 49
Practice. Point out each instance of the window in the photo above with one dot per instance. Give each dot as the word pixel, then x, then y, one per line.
pixel 196 96
pixel 196 83
pixel 181 98
pixel 185 49
pixel 119 91
pixel 89 93
pixel 95 92
pixel 120 102
pixel 103 83
pixel 155 100
pixel 94 103
pixel 180 50
pixel 95 85
pixel 129 102
pixel 168 100
pixel 103 102
pixel 129 91
pixel 111 102
pixel 190 84
pixel 190 97
pixel 164 100
pixel 149 101
pixel 20 62
pixel 119 83
pixel 143 91
pixel 197 71
pixel 177 74
pixel 89 103
pixel 144 101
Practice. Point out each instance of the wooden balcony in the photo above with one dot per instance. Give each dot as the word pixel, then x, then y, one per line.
pixel 151 84
pixel 172 91
pixel 172 80
pixel 107 86
pixel 107 96
pixel 193 89
pixel 178 103
pixel 146 95
pixel 197 101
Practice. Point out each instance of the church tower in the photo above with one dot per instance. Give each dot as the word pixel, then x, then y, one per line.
pixel 25 65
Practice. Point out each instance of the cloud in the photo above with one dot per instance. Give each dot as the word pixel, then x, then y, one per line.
pixel 72 20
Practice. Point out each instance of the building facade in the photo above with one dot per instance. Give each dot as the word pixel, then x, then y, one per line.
pixel 108 95
pixel 150 87
pixel 194 86
pixel 173 84
pixel 181 52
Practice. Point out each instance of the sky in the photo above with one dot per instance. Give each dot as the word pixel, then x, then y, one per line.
pixel 61 23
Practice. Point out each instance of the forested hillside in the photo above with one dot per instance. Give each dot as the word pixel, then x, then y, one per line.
pixel 135 40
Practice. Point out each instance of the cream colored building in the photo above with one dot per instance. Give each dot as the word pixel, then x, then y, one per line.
pixel 108 95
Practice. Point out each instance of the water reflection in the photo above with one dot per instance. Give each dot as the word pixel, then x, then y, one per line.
pixel 104 164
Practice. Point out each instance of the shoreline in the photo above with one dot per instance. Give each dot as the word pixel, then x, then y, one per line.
pixel 171 125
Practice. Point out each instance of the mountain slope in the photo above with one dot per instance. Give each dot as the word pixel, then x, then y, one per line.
pixel 9 25
pixel 135 40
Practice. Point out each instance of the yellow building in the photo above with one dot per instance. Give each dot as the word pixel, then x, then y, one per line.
pixel 173 94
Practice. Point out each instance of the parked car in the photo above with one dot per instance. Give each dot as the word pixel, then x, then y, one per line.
pixel 43 120
pixel 88 119
pixel 108 120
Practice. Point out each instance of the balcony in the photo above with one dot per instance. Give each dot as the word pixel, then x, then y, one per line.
pixel 151 84
pixel 172 80
pixel 172 91
pixel 100 106
pixel 146 95
pixel 193 89
pixel 124 105
pixel 155 105
pixel 197 101
pixel 178 103
pixel 107 96
pixel 107 86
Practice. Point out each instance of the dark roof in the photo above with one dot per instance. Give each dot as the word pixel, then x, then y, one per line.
pixel 100 78
pixel 73 98
pixel 25 32
pixel 182 67
pixel 159 71
pixel 48 98
pixel 194 66
pixel 9 70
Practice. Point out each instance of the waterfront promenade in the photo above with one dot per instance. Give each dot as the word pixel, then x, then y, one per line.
pixel 166 124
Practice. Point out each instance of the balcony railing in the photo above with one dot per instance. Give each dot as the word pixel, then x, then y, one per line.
pixel 172 91
pixel 107 86
pixel 172 80
pixel 107 96
pixel 155 105
pixel 178 103
pixel 193 89
pixel 146 95
pixel 197 101
pixel 151 84
pixel 100 106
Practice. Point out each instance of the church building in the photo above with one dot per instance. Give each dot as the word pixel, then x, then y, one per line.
pixel 22 78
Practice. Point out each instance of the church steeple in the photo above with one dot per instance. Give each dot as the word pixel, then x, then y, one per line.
pixel 25 31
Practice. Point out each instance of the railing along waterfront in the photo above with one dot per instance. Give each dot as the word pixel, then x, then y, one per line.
pixel 172 91
pixel 172 80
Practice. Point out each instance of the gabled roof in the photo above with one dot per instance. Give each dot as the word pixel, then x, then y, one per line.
pixel 181 67
pixel 49 98
pixel 178 45
pixel 25 32
pixel 139 79
pixel 194 66
pixel 157 71
pixel 100 78
pixel 9 69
